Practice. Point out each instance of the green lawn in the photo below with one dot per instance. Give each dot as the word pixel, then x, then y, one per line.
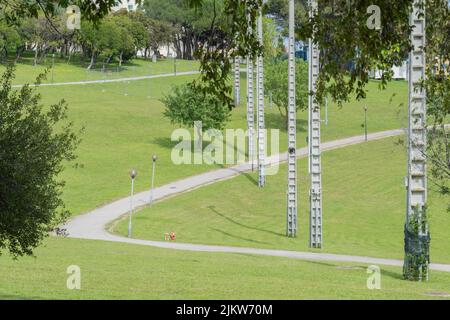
pixel 124 126
pixel 364 208
pixel 120 271
pixel 76 70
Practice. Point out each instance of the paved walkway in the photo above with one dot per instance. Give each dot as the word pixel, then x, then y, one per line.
pixel 75 83
pixel 92 225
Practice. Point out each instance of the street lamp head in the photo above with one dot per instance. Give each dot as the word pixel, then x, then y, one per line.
pixel 133 173
pixel 154 158
pixel 292 151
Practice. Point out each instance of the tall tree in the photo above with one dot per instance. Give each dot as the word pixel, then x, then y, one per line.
pixel 93 11
pixel 185 106
pixel 189 23
pixel 134 25
pixel 32 152
pixel 437 86
pixel 10 40
pixel 279 9
pixel 276 75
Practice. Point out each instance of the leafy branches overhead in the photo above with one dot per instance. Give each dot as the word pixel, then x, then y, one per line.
pixel 275 83
pixel 90 10
pixel 339 27
pixel 227 35
pixel 32 153
pixel 350 49
pixel 279 9
pixel 437 85
pixel 224 40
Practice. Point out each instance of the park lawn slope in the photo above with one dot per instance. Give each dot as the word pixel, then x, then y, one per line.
pixel 124 125
pixel 363 204
pixel 76 70
pixel 112 270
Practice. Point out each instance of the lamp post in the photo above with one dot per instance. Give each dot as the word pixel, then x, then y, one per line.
pixel 365 122
pixel 53 64
pixel 133 175
pixel 270 99
pixel 175 64
pixel 154 158
pixel 292 191
pixel 150 82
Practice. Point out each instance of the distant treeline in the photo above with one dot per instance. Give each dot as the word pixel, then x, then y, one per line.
pixel 117 38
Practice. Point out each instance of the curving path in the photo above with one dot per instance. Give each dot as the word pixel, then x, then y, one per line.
pixel 92 225
pixel 75 83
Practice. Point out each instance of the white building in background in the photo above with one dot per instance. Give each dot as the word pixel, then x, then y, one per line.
pixel 400 72
pixel 167 51
pixel 129 5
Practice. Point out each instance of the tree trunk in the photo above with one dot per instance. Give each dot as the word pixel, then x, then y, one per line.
pixel 120 59
pixel 177 44
pixel 285 116
pixel 199 141
pixel 36 52
pixel 19 54
pixel 5 55
pixel 92 61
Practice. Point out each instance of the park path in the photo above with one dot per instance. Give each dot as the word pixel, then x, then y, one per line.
pixel 76 83
pixel 93 224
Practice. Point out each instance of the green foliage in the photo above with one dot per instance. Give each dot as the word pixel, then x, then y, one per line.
pixel 10 39
pixel 131 33
pixel 417 246
pixel 341 33
pixel 276 82
pixel 93 11
pixel 183 24
pixel 227 36
pixel 186 104
pixel 160 33
pixel 340 29
pixel 116 36
pixel 280 10
pixel 32 151
pixel 437 85
pixel 272 41
pixel 352 204
pixel 438 155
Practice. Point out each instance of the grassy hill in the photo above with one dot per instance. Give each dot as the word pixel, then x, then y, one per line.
pixel 124 126
pixel 75 70
pixel 363 203
pixel 120 271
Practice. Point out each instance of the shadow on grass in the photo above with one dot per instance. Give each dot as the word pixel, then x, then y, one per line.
pixel 238 237
pixel 18 297
pixel 323 264
pixel 250 178
pixel 165 142
pixel 276 121
pixel 214 210
pixel 76 60
pixel 393 275
pixel 384 272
